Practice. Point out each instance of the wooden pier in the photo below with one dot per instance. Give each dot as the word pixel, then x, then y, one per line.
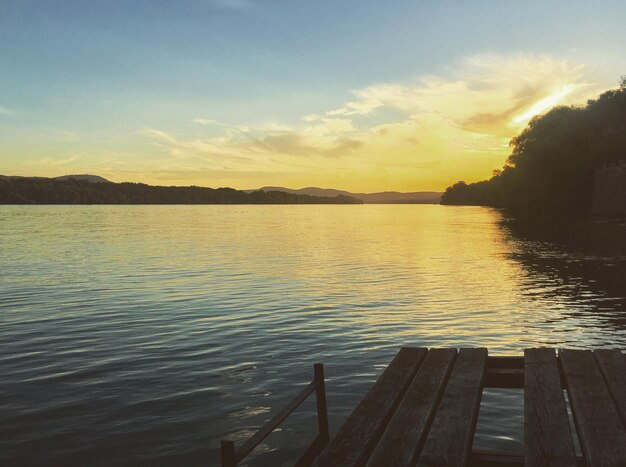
pixel 424 407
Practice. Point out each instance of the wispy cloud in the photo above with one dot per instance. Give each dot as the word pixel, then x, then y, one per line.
pixel 422 134
pixel 489 94
pixel 157 134
pixel 207 121
pixel 59 162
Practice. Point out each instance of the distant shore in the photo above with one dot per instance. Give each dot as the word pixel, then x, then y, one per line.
pixel 93 189
pixel 35 190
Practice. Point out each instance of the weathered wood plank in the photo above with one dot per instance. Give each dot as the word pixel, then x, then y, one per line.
pixel 357 437
pixel 600 429
pixel 402 440
pixel 547 435
pixel 479 458
pixel 449 440
pixel 612 363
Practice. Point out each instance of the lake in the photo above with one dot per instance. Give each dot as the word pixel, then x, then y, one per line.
pixel 135 335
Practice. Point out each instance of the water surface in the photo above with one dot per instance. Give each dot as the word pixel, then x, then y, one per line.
pixel 135 335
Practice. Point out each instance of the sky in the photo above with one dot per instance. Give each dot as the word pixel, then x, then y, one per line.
pixel 357 95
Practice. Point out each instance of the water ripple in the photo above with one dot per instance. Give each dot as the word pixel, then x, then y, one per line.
pixel 128 338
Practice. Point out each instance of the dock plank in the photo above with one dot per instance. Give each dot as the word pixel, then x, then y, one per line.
pixel 612 363
pixel 401 442
pixel 600 429
pixel 357 437
pixel 547 436
pixel 449 440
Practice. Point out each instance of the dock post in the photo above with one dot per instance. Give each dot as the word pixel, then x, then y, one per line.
pixel 228 454
pixel 320 394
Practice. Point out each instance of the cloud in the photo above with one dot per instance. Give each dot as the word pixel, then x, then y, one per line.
pixel 57 162
pixel 159 135
pixel 360 107
pixel 423 134
pixel 491 94
pixel 249 151
pixel 292 144
pixel 206 121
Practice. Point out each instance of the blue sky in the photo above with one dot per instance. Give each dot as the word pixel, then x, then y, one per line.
pixel 168 92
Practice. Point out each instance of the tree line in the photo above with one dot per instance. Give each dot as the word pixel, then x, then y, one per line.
pixel 35 190
pixel 551 168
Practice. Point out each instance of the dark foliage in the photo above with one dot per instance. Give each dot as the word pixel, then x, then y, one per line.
pixel 550 170
pixel 25 190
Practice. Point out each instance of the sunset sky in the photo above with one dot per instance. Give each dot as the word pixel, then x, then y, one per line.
pixel 356 95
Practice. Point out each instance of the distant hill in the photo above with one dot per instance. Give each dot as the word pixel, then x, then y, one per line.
pixel 81 189
pixel 86 177
pixel 416 197
pixel 93 189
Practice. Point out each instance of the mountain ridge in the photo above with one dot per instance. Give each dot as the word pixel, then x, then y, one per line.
pixel 88 190
pixel 413 197
pixel 382 197
pixel 84 177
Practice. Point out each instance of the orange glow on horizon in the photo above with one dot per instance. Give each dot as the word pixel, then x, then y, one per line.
pixel 421 136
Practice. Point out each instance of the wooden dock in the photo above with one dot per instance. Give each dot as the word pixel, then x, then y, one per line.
pixel 424 407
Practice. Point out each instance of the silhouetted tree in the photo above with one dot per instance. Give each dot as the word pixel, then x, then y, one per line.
pixel 550 170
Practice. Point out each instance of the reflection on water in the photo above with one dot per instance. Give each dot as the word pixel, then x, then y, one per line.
pixel 136 334
pixel 585 260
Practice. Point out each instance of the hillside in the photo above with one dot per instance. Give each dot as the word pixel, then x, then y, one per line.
pixel 391 197
pixel 81 190
pixel 85 177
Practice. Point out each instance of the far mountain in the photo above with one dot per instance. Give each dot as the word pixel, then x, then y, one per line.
pixel 85 177
pixel 89 189
pixel 384 197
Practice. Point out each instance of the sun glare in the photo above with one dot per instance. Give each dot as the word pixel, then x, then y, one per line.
pixel 543 104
